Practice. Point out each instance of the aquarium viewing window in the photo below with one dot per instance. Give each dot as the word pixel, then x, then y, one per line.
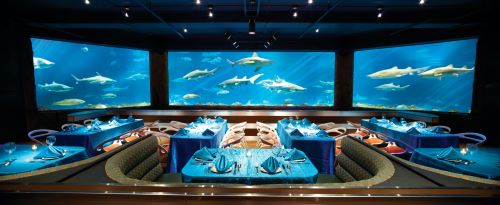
pixel 431 77
pixel 83 76
pixel 251 78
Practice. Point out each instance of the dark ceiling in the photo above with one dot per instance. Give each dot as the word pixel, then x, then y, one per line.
pixel 162 21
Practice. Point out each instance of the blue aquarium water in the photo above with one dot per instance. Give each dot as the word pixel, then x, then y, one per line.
pixel 433 77
pixel 82 76
pixel 251 78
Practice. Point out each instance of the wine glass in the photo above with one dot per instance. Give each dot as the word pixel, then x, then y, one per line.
pixel 403 122
pixel 9 147
pixel 383 116
pixel 51 140
pixel 471 148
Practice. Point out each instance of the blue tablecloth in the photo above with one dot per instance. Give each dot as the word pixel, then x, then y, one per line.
pixel 182 147
pixel 25 161
pixel 486 162
pixel 302 173
pixel 83 137
pixel 319 147
pixel 425 139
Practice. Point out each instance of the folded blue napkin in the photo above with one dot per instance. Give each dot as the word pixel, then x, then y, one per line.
pixel 208 132
pixel 199 120
pixel 222 164
pixel 95 127
pixel 322 133
pixel 271 165
pixel 219 120
pixel 295 154
pixel 413 131
pixel 285 120
pixel 130 119
pixel 305 121
pixel 204 154
pixel 50 153
pixel 296 132
pixel 450 153
pixel 114 118
pixel 438 130
pixel 182 132
pixel 373 120
pixel 395 121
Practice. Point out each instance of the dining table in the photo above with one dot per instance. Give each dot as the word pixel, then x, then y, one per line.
pixel 409 136
pixel 247 168
pixel 312 140
pixel 204 132
pixel 23 159
pixel 484 162
pixel 91 136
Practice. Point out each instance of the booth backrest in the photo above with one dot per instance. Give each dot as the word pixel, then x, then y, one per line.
pixel 359 163
pixel 140 163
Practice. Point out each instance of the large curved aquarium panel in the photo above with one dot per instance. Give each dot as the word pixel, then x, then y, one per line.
pixel 431 77
pixel 251 78
pixel 82 76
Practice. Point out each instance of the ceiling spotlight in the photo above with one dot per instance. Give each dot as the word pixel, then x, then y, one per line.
pixel 197 2
pixel 234 44
pixel 251 26
pixel 295 13
pixel 380 11
pixel 126 12
pixel 268 43
pixel 310 1
pixel 210 11
pixel 227 35
pixel 87 2
pixel 185 30
pixel 317 30
pixel 421 2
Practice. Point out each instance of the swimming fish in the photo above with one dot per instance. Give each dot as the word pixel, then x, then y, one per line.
pixel 448 70
pixel 98 79
pixel 98 106
pixel 69 102
pixel 327 83
pixel 191 96
pixel 391 87
pixel 109 95
pixel 395 72
pixel 197 74
pixel 254 60
pixel 222 92
pixel 55 87
pixel 40 63
pixel 137 76
pixel 279 85
pixel 114 88
pixel 239 81
pixel 328 91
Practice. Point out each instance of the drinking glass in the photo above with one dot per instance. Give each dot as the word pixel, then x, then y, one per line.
pixel 471 148
pixel 383 116
pixel 9 147
pixel 403 122
pixel 51 140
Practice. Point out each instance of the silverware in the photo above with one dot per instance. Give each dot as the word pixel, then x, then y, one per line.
pixel 239 167
pixel 235 165
pixel 289 167
pixel 283 166
pixel 8 162
pixel 256 168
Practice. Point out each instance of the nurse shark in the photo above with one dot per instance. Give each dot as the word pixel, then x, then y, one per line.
pixel 239 81
pixel 395 72
pixel 197 74
pixel 40 63
pixel 279 85
pixel 448 70
pixel 55 87
pixel 254 60
pixel 391 87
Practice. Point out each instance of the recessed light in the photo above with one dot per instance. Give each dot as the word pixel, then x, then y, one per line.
pixel 198 2
pixel 317 30
pixel 310 1
pixel 295 13
pixel 185 30
pixel 126 11
pixel 380 12
pixel 87 2
pixel 421 2
pixel 210 12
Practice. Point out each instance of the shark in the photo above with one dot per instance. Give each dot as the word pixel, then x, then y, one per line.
pixel 326 83
pixel 197 74
pixel 254 60
pixel 55 87
pixel 137 76
pixel 114 88
pixel 239 81
pixel 391 87
pixel 190 96
pixel 40 63
pixel 445 71
pixel 109 95
pixel 395 72
pixel 222 92
pixel 98 79
pixel 69 102
pixel 279 85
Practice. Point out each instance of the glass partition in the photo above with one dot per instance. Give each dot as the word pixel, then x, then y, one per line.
pixel 432 77
pixel 83 76
pixel 251 78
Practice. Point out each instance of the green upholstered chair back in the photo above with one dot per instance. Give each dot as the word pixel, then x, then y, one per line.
pixel 139 163
pixel 359 163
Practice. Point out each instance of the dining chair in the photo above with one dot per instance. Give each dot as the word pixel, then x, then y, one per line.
pixel 34 134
